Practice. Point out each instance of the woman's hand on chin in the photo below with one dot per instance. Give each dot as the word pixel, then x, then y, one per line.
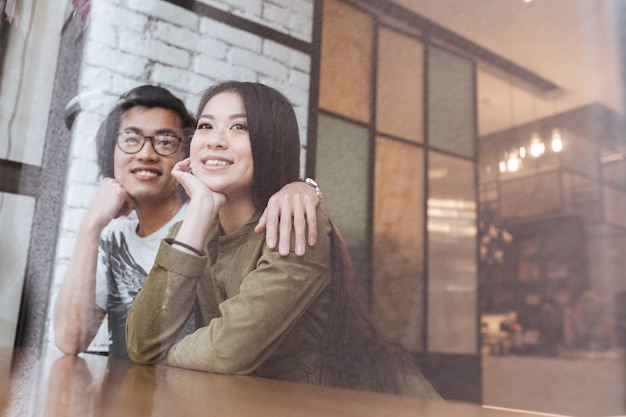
pixel 196 189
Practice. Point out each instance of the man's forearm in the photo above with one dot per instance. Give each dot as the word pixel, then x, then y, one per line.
pixel 77 318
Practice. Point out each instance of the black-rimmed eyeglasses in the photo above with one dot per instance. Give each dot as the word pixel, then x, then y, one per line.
pixel 164 144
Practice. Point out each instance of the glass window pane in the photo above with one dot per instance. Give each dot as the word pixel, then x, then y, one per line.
pixel 400 91
pixel 26 90
pixel 451 255
pixel 16 217
pixel 342 170
pixel 451 102
pixel 398 278
pixel 345 74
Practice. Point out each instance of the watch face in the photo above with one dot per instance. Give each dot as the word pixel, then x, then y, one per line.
pixel 312 183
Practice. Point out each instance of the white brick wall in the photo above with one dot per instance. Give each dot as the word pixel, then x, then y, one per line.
pixel 293 17
pixel 134 42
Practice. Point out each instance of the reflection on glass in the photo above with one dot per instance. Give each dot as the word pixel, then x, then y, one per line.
pixel 16 216
pixel 343 153
pixel 345 81
pixel 451 255
pixel 398 264
pixel 567 204
pixel 400 96
pixel 451 102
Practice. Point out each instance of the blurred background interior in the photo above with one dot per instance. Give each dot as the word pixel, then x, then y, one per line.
pixel 473 153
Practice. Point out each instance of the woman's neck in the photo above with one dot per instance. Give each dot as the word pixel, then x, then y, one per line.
pixel 236 213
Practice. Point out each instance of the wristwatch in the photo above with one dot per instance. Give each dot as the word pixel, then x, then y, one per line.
pixel 312 183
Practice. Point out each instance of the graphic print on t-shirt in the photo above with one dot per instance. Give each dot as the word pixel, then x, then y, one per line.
pixel 124 280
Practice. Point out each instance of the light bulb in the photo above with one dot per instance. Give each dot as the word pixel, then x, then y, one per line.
pixel 537 148
pixel 557 142
pixel 512 164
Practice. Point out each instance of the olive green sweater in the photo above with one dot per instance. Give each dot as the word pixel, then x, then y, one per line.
pixel 257 312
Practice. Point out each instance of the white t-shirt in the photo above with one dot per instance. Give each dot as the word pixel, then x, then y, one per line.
pixel 124 261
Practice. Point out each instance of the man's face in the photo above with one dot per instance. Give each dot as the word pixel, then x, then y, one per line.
pixel 146 175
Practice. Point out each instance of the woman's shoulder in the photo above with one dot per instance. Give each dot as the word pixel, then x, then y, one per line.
pixel 324 219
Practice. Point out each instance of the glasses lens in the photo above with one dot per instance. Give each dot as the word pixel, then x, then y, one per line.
pixel 129 142
pixel 165 144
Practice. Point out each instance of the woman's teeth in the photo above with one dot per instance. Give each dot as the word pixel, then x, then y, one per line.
pixel 214 162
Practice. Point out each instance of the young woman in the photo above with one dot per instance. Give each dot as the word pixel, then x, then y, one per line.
pixel 293 318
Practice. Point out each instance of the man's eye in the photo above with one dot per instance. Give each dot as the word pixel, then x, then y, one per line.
pixel 165 142
pixel 131 140
pixel 167 139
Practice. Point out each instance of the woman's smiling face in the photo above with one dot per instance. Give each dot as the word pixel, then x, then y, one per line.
pixel 220 152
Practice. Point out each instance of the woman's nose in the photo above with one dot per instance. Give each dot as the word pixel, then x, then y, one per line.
pixel 216 139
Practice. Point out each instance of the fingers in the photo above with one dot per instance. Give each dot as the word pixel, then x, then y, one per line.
pixel 299 226
pixel 181 173
pixel 294 205
pixel 180 168
pixel 111 201
pixel 125 209
pixel 310 207
pixel 269 223
pixel 284 213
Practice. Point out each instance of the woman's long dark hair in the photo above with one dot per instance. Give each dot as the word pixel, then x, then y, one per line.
pixel 354 354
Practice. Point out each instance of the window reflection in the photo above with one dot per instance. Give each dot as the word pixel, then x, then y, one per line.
pixel 398 260
pixel 451 255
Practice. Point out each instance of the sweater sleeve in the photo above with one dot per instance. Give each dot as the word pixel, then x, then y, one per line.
pixel 253 323
pixel 163 304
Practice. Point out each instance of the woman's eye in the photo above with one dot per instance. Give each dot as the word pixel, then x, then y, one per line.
pixel 239 126
pixel 203 126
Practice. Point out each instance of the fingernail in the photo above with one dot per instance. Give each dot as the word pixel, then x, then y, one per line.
pixel 299 249
pixel 271 243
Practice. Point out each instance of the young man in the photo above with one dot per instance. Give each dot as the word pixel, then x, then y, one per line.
pixel 137 202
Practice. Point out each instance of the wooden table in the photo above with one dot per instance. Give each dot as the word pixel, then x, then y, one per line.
pixel 49 384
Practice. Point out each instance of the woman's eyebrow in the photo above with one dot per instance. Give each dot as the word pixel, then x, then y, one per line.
pixel 232 116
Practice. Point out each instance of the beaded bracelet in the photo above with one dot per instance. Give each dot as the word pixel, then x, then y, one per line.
pixel 186 246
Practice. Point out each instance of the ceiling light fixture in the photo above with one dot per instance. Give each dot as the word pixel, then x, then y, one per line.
pixel 557 141
pixel 537 148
